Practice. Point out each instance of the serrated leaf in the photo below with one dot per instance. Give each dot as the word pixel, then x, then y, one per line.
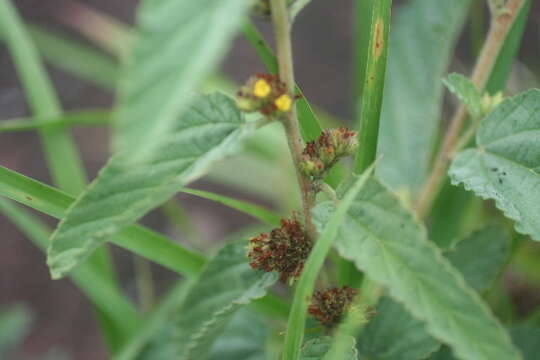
pixel 244 338
pixel 394 334
pixel 384 240
pixel 481 256
pixel 505 165
pixel 466 91
pixel 316 349
pixel 419 55
pixel 225 285
pixel 209 130
pixel 177 43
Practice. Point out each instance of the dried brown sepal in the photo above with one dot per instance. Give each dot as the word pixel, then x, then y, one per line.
pixel 264 93
pixel 320 155
pixel 284 249
pixel 328 306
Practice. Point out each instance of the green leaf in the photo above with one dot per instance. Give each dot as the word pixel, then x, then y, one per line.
pixel 481 256
pixel 393 334
pixel 385 241
pixel 123 193
pixel 316 349
pixel 137 239
pixel 314 263
pixel 244 338
pixel 526 337
pixel 14 326
pixel 419 56
pixel 225 285
pixel 84 117
pixel 505 165
pixel 466 91
pixel 177 44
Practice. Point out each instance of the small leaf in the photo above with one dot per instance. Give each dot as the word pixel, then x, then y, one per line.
pixel 316 349
pixel 481 256
pixel 225 285
pixel 505 165
pixel 177 43
pixel 393 334
pixel 121 195
pixel 386 242
pixel 466 91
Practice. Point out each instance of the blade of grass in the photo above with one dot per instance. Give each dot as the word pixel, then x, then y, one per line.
pixel 88 278
pixel 257 212
pixel 137 239
pixel 306 284
pixel 371 89
pixel 68 119
pixel 62 158
pixel 64 163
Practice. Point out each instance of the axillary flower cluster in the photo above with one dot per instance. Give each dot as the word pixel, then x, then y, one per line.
pixel 286 248
pixel 266 94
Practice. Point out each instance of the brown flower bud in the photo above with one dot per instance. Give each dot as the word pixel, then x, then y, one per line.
pixel 284 249
pixel 328 306
pixel 320 155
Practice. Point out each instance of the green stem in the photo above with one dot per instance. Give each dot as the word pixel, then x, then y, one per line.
pixel 282 32
pixel 500 28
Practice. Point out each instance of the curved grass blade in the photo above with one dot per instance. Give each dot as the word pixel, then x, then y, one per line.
pixel 304 289
pixel 68 119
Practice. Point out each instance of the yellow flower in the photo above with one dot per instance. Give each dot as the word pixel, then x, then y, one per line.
pixel 261 88
pixel 283 103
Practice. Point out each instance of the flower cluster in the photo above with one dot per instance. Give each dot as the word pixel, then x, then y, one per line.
pixel 284 249
pixel 320 155
pixel 328 306
pixel 264 93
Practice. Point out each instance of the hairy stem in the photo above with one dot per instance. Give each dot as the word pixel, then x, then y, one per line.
pixel 501 23
pixel 282 33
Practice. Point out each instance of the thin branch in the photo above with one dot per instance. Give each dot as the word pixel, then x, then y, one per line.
pixel 282 33
pixel 501 23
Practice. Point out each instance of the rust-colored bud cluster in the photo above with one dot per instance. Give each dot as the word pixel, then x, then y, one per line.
pixel 320 155
pixel 264 93
pixel 328 306
pixel 284 249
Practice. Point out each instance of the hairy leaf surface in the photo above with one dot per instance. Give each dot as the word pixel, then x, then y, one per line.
pixel 209 130
pixel 316 349
pixel 225 285
pixel 385 241
pixel 505 165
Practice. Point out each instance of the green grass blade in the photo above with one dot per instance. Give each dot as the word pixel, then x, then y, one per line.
pixel 67 119
pixel 372 90
pixel 137 239
pixel 64 163
pixel 257 212
pixel 306 284
pixel 88 277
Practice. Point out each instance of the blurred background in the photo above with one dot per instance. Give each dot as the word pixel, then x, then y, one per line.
pixel 58 317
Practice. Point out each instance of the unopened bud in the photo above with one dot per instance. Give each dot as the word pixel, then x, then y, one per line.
pixel 329 306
